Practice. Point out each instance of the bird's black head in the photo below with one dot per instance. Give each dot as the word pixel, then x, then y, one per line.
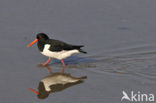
pixel 42 92
pixel 42 36
pixel 43 96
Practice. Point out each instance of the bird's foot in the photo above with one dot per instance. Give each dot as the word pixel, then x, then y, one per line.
pixel 41 65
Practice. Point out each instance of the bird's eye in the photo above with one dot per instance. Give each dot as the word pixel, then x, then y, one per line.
pixel 40 36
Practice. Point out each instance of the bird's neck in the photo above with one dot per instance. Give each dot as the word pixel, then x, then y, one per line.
pixel 41 44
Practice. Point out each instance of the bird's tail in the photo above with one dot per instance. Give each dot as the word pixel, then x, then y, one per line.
pixel 84 77
pixel 79 48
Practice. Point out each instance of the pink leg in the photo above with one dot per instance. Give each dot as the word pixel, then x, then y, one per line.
pixel 63 69
pixel 49 69
pixel 63 63
pixel 47 62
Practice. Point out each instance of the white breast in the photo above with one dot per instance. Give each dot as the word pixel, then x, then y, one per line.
pixel 53 80
pixel 58 55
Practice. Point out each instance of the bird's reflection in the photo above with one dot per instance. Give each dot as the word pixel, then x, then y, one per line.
pixel 56 82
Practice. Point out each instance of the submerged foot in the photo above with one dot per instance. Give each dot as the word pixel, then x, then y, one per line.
pixel 41 65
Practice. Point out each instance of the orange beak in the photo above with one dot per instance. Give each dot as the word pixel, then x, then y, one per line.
pixel 36 92
pixel 32 42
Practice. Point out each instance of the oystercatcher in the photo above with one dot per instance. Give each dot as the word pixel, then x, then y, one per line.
pixel 55 48
pixel 56 82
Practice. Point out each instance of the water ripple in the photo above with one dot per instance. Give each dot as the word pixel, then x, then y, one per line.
pixel 137 61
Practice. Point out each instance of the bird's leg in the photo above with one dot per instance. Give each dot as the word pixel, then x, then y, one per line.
pixel 63 69
pixel 47 62
pixel 63 63
pixel 49 69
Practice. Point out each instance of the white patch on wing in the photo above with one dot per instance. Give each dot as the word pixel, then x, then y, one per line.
pixel 58 55
pixel 54 80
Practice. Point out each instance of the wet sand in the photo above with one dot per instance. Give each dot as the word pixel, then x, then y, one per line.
pixel 119 37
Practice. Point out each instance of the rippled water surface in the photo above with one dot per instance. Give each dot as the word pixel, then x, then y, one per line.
pixel 119 37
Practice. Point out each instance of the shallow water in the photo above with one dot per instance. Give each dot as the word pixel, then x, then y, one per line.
pixel 119 37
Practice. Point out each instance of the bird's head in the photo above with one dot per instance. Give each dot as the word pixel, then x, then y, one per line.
pixel 40 36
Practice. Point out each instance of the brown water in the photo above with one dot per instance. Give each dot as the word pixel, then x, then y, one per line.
pixel 119 37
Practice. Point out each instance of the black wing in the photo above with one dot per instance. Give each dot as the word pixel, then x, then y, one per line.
pixel 57 45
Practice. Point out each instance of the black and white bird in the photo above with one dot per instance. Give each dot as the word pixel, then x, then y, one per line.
pixel 56 82
pixel 55 48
